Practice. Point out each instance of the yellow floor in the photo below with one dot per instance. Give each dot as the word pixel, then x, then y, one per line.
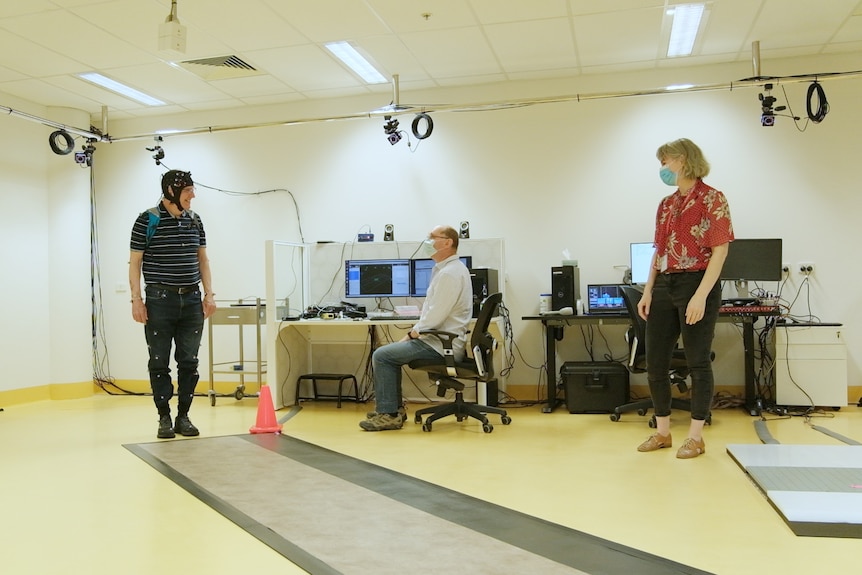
pixel 75 501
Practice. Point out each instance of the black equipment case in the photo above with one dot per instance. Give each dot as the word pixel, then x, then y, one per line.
pixel 595 387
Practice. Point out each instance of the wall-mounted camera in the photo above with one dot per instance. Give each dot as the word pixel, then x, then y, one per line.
pixel 464 232
pixel 388 233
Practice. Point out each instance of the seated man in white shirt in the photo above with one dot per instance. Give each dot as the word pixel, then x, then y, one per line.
pixel 448 307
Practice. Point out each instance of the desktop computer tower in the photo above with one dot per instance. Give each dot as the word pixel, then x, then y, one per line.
pixel 565 287
pixel 485 283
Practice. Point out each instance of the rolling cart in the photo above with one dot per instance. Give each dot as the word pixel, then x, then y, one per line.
pixel 242 315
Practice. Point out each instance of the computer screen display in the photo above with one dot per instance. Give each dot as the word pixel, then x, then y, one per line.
pixel 605 298
pixel 753 259
pixel 377 278
pixel 420 272
pixel 641 260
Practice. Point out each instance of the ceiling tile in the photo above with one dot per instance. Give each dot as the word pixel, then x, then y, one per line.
pixel 598 37
pixel 533 45
pixel 403 17
pixel 453 53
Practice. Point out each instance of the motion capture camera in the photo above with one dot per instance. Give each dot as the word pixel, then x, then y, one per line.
pixel 767 116
pixel 85 158
pixel 391 130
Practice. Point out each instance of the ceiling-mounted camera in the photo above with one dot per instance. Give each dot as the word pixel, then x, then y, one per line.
pixel 391 130
pixel 159 154
pixel 767 109
pixel 85 157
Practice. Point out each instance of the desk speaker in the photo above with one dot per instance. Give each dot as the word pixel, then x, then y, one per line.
pixel 565 287
pixel 388 233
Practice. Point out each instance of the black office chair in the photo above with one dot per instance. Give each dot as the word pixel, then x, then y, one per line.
pixel 446 372
pixel 637 362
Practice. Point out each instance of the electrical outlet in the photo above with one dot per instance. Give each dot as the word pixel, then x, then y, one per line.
pixel 785 268
pixel 805 268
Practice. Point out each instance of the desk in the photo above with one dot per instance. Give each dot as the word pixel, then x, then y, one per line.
pixel 554 326
pixel 341 346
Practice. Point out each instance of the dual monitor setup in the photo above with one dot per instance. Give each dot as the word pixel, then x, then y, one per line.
pixel 747 260
pixel 381 278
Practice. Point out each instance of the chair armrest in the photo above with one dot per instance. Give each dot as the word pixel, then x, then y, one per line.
pixel 446 338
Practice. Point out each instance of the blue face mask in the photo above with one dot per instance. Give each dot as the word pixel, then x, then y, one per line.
pixel 667 176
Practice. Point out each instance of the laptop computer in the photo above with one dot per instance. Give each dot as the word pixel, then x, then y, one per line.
pixel 605 299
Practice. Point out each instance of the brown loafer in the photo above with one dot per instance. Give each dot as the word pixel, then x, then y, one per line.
pixel 691 448
pixel 656 441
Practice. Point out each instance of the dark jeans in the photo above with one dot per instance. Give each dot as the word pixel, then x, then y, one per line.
pixel 173 318
pixel 387 361
pixel 665 324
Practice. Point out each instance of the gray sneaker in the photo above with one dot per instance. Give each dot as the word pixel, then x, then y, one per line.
pixel 382 422
pixel 402 411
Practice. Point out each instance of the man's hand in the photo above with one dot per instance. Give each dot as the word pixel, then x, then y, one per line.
pixel 139 310
pixel 209 306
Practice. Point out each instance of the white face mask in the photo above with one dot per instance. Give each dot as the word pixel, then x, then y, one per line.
pixel 428 248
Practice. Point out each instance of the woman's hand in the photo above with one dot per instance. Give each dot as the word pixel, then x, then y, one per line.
pixel 644 303
pixel 695 309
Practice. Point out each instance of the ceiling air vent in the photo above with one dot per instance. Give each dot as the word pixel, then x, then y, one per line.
pixel 220 68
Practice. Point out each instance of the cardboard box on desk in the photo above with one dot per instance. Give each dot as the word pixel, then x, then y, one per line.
pixel 595 387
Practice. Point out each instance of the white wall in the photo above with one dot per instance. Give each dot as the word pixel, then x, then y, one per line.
pixel 45 286
pixel 580 176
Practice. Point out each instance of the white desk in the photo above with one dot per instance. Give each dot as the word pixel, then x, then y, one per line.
pixel 343 346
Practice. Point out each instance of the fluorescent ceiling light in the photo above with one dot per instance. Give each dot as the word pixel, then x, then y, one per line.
pixel 679 87
pixel 121 89
pixel 356 62
pixel 683 32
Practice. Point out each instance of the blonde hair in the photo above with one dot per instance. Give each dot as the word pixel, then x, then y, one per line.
pixel 694 163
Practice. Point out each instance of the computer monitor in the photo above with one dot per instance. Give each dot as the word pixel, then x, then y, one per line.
pixel 753 259
pixel 377 278
pixel 641 260
pixel 420 273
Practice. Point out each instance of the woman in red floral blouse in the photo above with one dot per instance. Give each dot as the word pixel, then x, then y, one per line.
pixel 683 294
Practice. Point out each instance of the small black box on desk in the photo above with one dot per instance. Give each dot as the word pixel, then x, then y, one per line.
pixel 595 386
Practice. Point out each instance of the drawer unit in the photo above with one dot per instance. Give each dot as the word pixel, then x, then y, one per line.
pixel 810 366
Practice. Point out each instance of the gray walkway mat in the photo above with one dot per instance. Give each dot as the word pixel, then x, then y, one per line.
pixel 330 513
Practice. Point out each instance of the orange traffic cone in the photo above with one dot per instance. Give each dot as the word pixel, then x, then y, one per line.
pixel 266 422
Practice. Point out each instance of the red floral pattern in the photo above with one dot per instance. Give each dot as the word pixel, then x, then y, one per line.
pixel 689 226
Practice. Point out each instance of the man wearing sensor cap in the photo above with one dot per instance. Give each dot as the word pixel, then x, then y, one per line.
pixel 168 247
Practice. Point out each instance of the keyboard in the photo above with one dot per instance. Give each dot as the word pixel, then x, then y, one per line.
pixel 749 310
pixel 388 315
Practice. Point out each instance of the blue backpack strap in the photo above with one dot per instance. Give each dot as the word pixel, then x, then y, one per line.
pixel 153 223
pixel 155 217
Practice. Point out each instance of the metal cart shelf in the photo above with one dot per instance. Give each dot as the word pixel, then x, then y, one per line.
pixel 239 314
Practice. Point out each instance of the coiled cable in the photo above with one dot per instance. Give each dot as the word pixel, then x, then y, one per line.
pixel 818 115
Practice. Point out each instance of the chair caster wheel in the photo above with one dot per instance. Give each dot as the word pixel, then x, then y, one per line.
pixel 615 417
pixel 506 420
pixel 417 419
pixel 487 427
pixel 426 427
pixel 641 412
pixel 652 422
pixel 238 394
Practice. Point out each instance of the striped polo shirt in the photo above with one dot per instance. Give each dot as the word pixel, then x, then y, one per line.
pixel 172 256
